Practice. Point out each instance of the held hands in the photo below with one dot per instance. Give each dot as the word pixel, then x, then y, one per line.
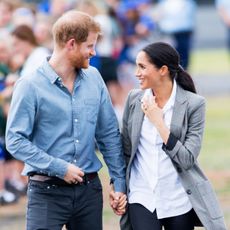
pixel 118 202
pixel 73 174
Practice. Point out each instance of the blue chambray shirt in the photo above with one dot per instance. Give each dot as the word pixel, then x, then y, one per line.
pixel 48 127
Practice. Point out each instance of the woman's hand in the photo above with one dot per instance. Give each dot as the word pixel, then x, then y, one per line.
pixel 155 115
pixel 152 111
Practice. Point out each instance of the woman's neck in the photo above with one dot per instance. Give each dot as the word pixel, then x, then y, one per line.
pixel 163 93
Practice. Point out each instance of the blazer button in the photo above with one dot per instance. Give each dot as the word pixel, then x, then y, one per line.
pixel 189 192
pixel 179 170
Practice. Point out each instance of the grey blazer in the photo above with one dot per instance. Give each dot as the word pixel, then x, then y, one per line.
pixel 183 148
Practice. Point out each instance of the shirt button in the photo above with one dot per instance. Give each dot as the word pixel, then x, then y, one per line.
pixel 74 161
pixel 189 192
pixel 77 141
pixel 76 120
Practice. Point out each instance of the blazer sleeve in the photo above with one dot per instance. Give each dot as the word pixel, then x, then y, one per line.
pixel 185 150
pixel 126 142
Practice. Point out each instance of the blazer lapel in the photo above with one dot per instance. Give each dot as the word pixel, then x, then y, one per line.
pixel 137 121
pixel 179 113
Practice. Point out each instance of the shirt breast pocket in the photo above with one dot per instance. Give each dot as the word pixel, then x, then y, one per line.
pixel 92 107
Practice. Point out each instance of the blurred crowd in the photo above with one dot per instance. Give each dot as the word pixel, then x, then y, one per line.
pixel 127 25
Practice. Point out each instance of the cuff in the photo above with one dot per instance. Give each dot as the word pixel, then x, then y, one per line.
pixel 119 185
pixel 171 143
pixel 58 167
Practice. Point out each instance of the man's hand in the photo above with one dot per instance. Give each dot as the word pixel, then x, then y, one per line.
pixel 118 202
pixel 73 174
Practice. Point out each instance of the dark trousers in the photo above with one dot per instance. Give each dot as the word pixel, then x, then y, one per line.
pixel 51 206
pixel 183 46
pixel 141 218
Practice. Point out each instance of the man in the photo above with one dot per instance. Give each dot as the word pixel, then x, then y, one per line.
pixel 56 115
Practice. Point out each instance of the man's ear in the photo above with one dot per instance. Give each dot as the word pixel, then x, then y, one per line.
pixel 164 70
pixel 70 44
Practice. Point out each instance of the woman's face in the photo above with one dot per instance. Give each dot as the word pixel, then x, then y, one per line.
pixel 147 74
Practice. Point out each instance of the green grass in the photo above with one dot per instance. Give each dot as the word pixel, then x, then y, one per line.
pixel 215 154
pixel 210 62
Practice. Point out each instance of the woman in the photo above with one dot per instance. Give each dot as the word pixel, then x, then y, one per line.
pixel 163 125
pixel 26 48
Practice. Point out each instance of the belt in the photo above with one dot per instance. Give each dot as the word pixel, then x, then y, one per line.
pixel 87 178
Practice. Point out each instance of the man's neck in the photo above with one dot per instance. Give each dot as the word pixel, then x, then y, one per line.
pixel 64 70
pixel 62 67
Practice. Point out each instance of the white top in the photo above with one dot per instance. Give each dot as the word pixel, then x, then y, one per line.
pixel 105 43
pixel 223 4
pixel 177 15
pixel 154 182
pixel 34 60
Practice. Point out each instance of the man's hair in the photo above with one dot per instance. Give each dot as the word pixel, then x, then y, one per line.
pixel 74 24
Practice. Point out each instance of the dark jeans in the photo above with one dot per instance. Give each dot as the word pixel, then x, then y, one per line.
pixel 141 218
pixel 50 206
pixel 183 46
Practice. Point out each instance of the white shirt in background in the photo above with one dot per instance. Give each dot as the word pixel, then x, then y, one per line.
pixel 34 60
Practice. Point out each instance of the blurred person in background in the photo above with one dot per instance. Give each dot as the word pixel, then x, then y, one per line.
pixel 23 58
pixel 9 65
pixel 6 196
pixel 6 14
pixel 4 60
pixel 24 16
pixel 55 8
pixel 108 49
pixel 223 7
pixel 162 131
pixel 43 31
pixel 137 29
pixel 56 114
pixel 26 46
pixel 176 18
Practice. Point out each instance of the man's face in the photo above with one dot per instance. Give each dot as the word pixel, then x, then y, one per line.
pixel 84 51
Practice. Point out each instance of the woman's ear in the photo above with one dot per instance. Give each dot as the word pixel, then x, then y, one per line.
pixel 164 70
